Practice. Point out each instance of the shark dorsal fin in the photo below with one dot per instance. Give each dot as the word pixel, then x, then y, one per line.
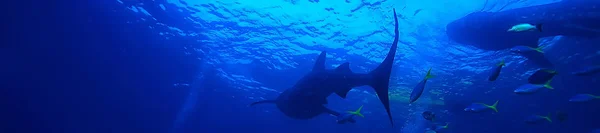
pixel 343 92
pixel 345 67
pixel 320 63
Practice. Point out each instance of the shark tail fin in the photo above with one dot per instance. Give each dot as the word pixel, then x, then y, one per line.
pixel 381 75
pixel 538 27
pixel 262 102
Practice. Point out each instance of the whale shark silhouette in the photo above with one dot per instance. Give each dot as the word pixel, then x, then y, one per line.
pixel 306 99
pixel 488 30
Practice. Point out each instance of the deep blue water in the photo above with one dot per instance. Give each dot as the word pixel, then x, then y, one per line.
pixel 195 66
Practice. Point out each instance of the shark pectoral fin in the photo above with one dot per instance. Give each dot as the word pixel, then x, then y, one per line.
pixel 263 102
pixel 320 63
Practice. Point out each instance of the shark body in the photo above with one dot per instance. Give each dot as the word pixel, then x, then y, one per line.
pixel 307 98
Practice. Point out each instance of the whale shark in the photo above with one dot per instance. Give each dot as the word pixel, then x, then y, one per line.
pixel 488 30
pixel 307 98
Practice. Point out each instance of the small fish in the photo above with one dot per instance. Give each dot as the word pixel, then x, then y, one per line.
pixel 537 118
pixel 526 49
pixel 417 11
pixel 583 98
pixel 479 107
pixel 418 90
pixel 561 116
pixel 428 115
pixel 525 27
pixel 532 88
pixel 495 72
pixel 401 16
pixel 588 71
pixel 541 76
pixel 440 127
pixel 347 117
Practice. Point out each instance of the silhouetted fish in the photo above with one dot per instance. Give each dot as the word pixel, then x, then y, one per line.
pixel 541 76
pixel 347 116
pixel 532 88
pixel 418 90
pixel 534 119
pixel 526 49
pixel 583 98
pixel 495 72
pixel 428 115
pixel 417 11
pixel 588 71
pixel 480 107
pixel 561 116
